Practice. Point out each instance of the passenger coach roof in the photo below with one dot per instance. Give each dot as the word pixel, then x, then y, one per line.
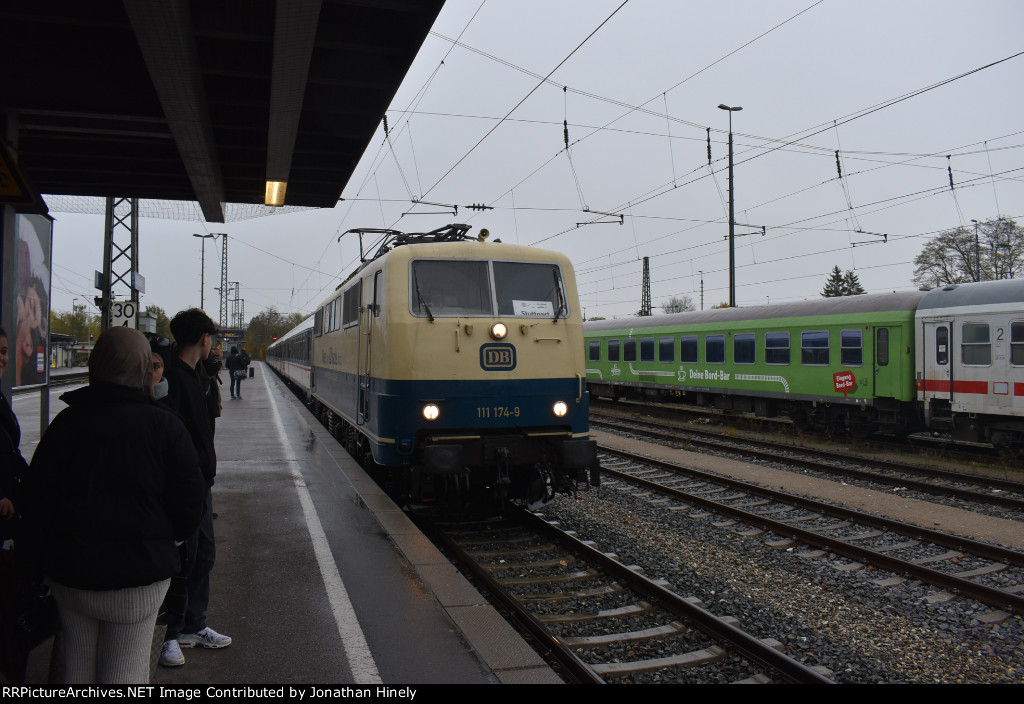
pixel 301 327
pixel 843 305
pixel 979 293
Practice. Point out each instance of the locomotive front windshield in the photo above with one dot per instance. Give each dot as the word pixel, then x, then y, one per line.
pixel 444 287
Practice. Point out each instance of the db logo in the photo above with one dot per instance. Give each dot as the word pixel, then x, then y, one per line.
pixel 497 357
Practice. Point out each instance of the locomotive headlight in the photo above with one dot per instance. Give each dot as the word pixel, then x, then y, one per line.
pixel 499 330
pixel 560 408
pixel 431 411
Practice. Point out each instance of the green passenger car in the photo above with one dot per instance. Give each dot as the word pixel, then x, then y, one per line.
pixel 833 363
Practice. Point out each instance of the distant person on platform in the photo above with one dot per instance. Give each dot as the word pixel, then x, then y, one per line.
pixel 188 393
pixel 236 365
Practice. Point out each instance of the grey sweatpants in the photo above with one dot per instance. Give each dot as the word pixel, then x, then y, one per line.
pixel 107 635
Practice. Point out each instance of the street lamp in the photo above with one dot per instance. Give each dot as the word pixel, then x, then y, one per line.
pixel 202 269
pixel 977 253
pixel 732 215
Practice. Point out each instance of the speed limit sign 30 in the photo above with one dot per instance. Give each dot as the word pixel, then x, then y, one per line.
pixel 123 314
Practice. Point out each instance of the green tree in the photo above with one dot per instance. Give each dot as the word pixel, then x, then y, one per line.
pixel 79 324
pixel 265 326
pixel 842 284
pixel 851 284
pixel 834 286
pixel 994 249
pixel 163 323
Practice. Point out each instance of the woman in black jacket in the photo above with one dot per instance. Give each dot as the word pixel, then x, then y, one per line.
pixel 115 482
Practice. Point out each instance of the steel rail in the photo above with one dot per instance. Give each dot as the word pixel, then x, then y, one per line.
pixel 752 647
pixel 1004 501
pixel 580 671
pixel 988 595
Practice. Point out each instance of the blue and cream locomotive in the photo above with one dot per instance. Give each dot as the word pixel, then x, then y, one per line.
pixel 453 367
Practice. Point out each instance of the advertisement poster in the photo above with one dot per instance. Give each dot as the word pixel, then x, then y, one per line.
pixel 31 354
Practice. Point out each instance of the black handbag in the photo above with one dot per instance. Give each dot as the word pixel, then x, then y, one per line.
pixel 38 618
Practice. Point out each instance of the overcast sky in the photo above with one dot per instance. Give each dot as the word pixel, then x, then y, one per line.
pixel 639 84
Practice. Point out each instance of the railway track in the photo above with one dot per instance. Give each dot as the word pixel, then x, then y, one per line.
pixel 923 444
pixel 957 565
pixel 1002 493
pixel 604 621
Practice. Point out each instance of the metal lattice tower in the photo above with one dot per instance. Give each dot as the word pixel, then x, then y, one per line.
pixel 224 293
pixel 645 297
pixel 237 307
pixel 120 254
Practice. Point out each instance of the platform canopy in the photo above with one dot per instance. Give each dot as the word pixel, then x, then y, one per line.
pixel 201 100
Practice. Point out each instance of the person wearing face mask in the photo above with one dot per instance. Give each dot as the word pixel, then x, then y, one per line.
pixel 102 524
pixel 160 349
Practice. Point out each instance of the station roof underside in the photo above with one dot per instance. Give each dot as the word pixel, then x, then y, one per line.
pixel 202 101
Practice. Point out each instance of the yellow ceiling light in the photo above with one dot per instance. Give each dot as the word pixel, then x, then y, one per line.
pixel 275 193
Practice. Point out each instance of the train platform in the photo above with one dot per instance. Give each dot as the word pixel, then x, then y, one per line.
pixel 320 578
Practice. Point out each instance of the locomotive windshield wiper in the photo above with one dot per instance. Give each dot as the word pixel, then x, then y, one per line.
pixel 419 299
pixel 558 293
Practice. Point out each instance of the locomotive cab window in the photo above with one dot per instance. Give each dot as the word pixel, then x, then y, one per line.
pixel 528 289
pixel 776 348
pixel 350 307
pixel 851 348
pixel 1017 344
pixel 743 348
pixel 814 348
pixel 594 348
pixel 452 288
pixel 378 292
pixel 976 348
pixel 440 287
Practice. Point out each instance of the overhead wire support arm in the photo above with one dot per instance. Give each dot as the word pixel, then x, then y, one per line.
pixel 884 240
pixel 621 218
pixel 758 230
pixel 454 209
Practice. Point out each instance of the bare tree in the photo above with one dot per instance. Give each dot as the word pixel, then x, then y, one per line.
pixel 678 304
pixel 995 250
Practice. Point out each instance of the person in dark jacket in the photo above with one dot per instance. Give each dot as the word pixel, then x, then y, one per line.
pixel 13 657
pixel 236 368
pixel 188 394
pixel 114 484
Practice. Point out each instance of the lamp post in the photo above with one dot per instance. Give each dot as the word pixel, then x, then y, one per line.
pixel 732 215
pixel 202 270
pixel 977 253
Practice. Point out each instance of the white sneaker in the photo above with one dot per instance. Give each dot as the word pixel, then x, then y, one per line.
pixel 170 654
pixel 206 638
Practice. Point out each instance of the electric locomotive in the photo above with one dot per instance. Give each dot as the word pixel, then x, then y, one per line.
pixel 453 367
